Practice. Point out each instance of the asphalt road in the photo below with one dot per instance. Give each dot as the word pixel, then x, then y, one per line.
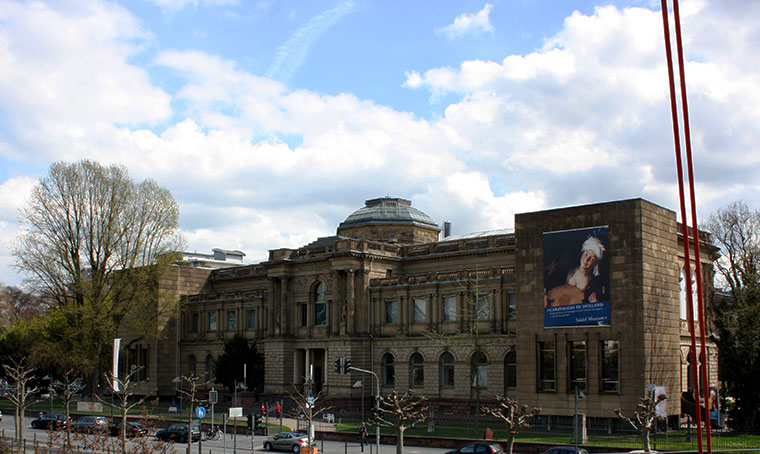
pixel 238 444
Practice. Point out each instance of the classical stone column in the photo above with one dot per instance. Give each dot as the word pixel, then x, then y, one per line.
pixel 350 301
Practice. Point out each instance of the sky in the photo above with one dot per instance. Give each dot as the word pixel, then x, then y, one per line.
pixel 271 121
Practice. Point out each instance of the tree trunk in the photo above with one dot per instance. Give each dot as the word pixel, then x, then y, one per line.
pixel 645 435
pixel 400 440
pixel 510 443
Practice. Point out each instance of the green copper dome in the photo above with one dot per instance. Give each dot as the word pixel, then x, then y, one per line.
pixel 387 210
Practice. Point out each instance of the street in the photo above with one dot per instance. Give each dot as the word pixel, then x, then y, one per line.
pixel 230 444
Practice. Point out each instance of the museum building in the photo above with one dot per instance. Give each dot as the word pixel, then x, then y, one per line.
pixel 587 297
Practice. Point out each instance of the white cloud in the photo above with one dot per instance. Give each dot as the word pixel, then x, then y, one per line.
pixel 472 24
pixel 291 54
pixel 257 165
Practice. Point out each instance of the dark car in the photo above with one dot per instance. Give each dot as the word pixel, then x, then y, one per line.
pixel 479 447
pixel 565 450
pixel 286 441
pixel 50 421
pixel 90 424
pixel 177 432
pixel 134 429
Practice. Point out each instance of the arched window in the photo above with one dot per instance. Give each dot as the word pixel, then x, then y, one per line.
pixel 389 370
pixel 210 368
pixel 479 363
pixel 192 364
pixel 416 371
pixel 447 369
pixel 510 371
pixel 320 304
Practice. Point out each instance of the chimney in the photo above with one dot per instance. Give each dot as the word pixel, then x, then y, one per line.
pixel 446 229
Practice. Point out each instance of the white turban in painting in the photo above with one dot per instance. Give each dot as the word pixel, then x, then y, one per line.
pixel 594 245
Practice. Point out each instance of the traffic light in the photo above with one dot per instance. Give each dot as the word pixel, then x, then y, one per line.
pixel 338 367
pixel 250 421
pixel 256 422
pixel 346 365
pixel 263 410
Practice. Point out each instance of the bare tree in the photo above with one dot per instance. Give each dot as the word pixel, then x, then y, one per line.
pixel 124 388
pixel 307 408
pixel 18 391
pixel 191 394
pixel 645 419
pixel 514 415
pixel 70 385
pixel 93 242
pixel 400 412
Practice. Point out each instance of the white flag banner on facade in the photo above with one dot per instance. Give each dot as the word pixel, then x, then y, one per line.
pixel 115 368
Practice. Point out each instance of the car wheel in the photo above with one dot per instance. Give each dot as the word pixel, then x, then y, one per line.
pixel 296 448
pixel 267 446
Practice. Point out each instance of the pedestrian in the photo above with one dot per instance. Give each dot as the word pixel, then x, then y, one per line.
pixel 363 434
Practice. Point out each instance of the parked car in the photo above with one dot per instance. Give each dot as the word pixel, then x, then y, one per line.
pixel 90 424
pixel 479 447
pixel 177 432
pixel 50 421
pixel 286 441
pixel 565 450
pixel 134 429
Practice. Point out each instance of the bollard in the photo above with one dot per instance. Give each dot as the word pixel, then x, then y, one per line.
pixel 345 447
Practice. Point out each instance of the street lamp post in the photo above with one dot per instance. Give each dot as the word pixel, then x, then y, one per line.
pixel 578 395
pixel 377 402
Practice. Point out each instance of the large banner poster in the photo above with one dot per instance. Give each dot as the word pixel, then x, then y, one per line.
pixel 577 277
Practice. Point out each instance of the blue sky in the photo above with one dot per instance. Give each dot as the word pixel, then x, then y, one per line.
pixel 271 121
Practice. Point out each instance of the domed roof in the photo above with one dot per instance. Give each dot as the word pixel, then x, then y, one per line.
pixel 387 210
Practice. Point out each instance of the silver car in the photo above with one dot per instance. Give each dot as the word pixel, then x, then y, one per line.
pixel 286 441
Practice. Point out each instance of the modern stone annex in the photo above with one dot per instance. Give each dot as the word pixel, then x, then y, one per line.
pixel 588 297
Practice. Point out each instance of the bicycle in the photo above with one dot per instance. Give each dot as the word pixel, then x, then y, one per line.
pixel 213 433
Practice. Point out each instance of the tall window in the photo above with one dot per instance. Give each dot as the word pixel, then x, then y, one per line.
pixel 511 305
pixel 577 365
pixel 391 311
pixel 138 357
pixel 479 367
pixel 420 309
pixel 447 369
pixel 510 370
pixel 210 368
pixel 231 321
pixel 194 322
pixel 212 321
pixel 449 308
pixel 320 304
pixel 482 306
pixel 389 370
pixel 192 364
pixel 304 310
pixel 416 370
pixel 610 367
pixel 250 319
pixel 546 373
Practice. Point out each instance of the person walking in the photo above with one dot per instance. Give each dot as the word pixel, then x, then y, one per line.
pixel 363 435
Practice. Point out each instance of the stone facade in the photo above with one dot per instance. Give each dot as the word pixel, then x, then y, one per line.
pixel 459 320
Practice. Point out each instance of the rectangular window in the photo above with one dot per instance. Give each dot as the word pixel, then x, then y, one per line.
pixel 304 314
pixel 320 313
pixel 212 321
pixel 482 306
pixel 391 311
pixel 577 365
pixel 546 375
pixel 449 308
pixel 231 321
pixel 420 309
pixel 511 305
pixel 610 377
pixel 250 319
pixel 194 322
